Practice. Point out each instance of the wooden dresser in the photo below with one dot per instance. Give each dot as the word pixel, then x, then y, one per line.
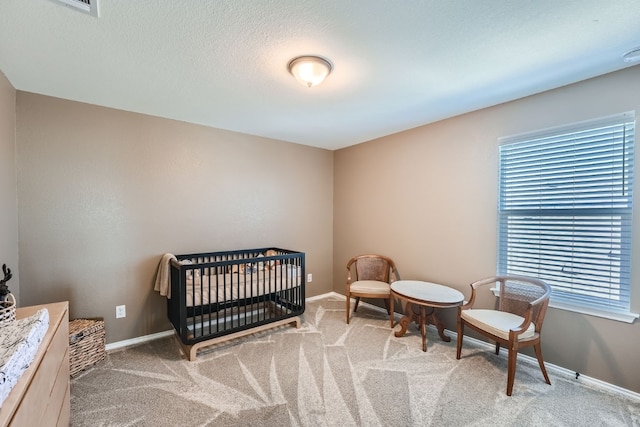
pixel 41 397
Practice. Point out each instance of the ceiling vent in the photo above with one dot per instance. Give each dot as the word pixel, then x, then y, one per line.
pixel 86 6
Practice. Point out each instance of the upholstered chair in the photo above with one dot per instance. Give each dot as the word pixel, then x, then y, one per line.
pixel 515 322
pixel 370 276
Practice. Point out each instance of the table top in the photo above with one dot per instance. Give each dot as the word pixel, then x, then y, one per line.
pixel 427 293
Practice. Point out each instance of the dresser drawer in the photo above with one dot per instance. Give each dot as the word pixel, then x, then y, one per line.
pixel 41 396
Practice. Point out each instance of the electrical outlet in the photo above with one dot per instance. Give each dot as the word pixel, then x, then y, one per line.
pixel 309 278
pixel 121 311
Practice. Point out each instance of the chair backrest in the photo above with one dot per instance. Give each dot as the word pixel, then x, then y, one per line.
pixel 517 292
pixel 372 267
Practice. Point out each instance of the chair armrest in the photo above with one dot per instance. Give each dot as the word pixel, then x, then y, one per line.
pixel 349 270
pixel 395 274
pixel 525 323
pixel 529 313
pixel 467 304
pixel 541 300
pixel 474 288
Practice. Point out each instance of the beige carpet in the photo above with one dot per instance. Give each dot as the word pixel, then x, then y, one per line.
pixel 328 373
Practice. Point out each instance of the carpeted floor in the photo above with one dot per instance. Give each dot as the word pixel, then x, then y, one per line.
pixel 328 373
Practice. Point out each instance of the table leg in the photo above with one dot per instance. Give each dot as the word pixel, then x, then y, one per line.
pixel 406 320
pixel 422 319
pixel 433 318
pixel 423 327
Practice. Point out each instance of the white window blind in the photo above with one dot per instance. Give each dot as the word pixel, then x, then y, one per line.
pixel 565 202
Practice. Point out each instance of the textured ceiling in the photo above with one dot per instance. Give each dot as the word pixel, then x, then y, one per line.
pixel 397 64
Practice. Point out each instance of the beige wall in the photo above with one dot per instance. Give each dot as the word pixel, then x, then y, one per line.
pixel 104 193
pixel 428 198
pixel 8 190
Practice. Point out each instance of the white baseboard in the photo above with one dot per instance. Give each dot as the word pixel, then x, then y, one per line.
pixel 139 340
pixel 558 370
pixel 328 294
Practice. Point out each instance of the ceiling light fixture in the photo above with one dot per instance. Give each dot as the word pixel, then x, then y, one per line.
pixel 310 70
pixel 632 56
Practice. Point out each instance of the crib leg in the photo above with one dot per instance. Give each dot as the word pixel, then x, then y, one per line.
pixel 191 351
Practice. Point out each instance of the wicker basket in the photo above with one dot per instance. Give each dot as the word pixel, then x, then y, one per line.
pixel 86 344
pixel 8 309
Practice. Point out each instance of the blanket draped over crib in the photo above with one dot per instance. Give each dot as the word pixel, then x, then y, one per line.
pixel 162 284
pixel 215 295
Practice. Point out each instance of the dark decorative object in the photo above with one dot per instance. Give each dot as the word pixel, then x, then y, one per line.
pixel 7 300
pixel 4 289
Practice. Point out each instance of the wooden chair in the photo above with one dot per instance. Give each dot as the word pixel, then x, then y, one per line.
pixel 515 323
pixel 373 276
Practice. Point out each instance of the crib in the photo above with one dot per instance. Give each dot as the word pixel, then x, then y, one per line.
pixel 219 296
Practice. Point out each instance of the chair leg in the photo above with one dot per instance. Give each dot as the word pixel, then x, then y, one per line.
pixel 357 302
pixel 386 305
pixel 348 308
pixel 391 311
pixel 460 335
pixel 497 347
pixel 538 350
pixel 511 368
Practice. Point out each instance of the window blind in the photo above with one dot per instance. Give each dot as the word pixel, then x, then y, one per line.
pixel 565 207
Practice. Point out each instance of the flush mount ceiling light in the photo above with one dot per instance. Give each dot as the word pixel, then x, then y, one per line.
pixel 310 70
pixel 632 55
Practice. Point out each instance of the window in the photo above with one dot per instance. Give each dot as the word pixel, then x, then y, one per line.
pixel 565 210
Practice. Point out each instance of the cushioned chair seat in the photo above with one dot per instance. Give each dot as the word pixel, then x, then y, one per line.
pixel 370 287
pixel 497 323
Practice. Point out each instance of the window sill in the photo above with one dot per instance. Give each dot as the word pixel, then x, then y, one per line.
pixel 628 317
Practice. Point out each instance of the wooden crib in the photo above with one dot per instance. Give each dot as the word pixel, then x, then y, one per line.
pixel 219 296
